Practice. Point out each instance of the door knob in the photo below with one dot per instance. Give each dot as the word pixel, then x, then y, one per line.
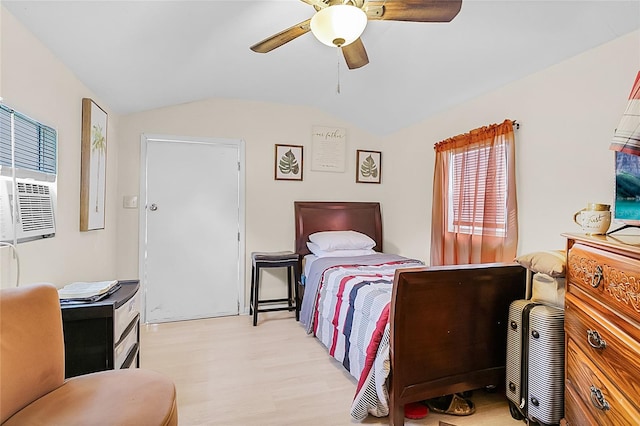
pixel 153 207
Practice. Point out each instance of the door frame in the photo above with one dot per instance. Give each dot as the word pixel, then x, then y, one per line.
pixel 142 210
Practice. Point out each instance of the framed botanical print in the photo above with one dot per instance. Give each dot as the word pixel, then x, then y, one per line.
pixel 368 166
pixel 288 162
pixel 94 165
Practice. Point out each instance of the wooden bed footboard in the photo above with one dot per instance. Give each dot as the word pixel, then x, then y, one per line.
pixel 448 330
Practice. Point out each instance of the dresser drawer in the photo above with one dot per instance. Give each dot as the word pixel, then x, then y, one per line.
pixel 608 277
pixel 593 388
pixel 128 343
pixel 576 414
pixel 124 314
pixel 614 352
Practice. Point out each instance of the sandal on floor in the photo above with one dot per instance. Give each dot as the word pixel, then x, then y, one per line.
pixel 454 405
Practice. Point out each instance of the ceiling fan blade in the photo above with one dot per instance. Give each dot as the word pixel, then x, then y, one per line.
pixel 355 54
pixel 413 10
pixel 277 40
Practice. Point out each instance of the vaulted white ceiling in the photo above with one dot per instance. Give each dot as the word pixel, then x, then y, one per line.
pixel 145 54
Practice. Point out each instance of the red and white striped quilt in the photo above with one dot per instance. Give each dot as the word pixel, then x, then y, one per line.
pixel 351 318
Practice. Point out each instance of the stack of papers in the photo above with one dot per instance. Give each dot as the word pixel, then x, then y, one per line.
pixel 86 290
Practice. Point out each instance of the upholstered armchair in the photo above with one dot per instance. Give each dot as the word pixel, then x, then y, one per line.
pixel 33 390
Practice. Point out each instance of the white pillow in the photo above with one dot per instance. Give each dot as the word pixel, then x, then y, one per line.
pixel 341 240
pixel 315 249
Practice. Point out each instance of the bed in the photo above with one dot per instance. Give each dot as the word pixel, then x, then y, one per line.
pixel 441 330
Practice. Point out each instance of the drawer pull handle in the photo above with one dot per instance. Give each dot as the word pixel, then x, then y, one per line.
pixel 597 399
pixel 597 277
pixel 595 340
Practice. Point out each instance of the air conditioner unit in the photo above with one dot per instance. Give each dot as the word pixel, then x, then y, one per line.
pixel 34 213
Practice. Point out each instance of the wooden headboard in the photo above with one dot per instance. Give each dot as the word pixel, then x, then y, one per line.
pixel 316 216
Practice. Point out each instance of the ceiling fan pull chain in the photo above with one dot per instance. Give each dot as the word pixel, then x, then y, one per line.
pixel 338 72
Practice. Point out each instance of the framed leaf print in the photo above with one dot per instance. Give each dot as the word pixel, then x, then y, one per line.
pixel 368 166
pixel 93 168
pixel 288 162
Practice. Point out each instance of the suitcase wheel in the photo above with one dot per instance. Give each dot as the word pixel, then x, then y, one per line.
pixel 515 411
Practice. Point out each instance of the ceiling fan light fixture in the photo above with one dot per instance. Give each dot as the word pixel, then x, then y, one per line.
pixel 338 25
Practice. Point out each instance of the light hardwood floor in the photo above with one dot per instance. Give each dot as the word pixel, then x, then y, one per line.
pixel 228 372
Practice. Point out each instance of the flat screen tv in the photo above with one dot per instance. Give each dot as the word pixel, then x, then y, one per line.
pixel 626 209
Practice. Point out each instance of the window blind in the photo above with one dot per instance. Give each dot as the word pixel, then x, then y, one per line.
pixel 35 143
pixel 478 191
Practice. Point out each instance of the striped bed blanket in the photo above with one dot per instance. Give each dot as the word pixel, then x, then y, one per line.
pixel 346 306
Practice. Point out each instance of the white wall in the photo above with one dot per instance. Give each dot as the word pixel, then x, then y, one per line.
pixel 269 203
pixel 36 83
pixel 567 112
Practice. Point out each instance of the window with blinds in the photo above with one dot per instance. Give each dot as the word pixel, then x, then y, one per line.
pixel 478 191
pixel 28 167
pixel 34 144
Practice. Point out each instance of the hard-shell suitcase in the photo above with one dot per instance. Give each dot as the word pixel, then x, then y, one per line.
pixel 535 362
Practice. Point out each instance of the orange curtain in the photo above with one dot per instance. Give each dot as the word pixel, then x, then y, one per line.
pixel 480 240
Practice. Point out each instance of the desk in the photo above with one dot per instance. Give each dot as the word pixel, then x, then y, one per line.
pixel 103 335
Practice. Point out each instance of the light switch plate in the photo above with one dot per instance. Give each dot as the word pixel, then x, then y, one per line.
pixel 130 201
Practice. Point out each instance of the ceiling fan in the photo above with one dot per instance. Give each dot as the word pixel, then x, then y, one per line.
pixel 340 23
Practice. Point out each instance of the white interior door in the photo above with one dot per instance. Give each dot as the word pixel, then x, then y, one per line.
pixel 192 216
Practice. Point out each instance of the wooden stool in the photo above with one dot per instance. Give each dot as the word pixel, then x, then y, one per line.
pixel 281 259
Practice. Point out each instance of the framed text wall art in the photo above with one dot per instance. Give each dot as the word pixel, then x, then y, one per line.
pixel 329 149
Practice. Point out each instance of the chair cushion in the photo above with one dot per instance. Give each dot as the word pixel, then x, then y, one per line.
pixel 275 257
pixel 119 397
pixel 32 357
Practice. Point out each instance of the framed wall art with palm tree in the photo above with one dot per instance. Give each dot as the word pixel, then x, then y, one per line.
pixel 288 162
pixel 368 166
pixel 94 166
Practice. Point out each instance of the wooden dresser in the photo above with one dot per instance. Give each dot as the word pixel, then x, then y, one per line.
pixel 602 326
